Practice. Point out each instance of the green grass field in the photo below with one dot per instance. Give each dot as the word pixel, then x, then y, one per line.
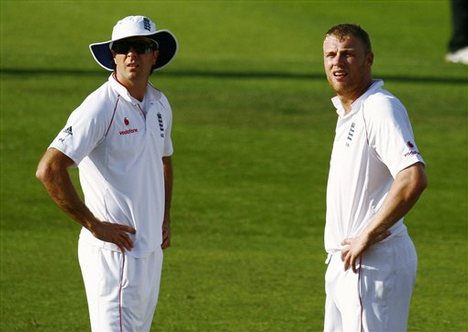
pixel 253 127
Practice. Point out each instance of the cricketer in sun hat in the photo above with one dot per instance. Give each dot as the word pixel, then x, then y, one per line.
pixel 136 26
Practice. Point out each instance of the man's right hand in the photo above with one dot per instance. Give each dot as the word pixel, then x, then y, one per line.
pixel 114 233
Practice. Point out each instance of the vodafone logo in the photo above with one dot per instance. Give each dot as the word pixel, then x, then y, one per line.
pixel 412 152
pixel 127 131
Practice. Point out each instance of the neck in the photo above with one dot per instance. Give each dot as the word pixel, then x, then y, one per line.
pixel 136 88
pixel 348 98
pixel 137 93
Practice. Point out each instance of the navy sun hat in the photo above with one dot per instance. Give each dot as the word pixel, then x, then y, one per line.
pixel 136 26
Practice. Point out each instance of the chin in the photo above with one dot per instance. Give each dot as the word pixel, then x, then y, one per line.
pixel 339 87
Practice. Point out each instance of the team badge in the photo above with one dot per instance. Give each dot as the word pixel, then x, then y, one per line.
pixel 161 124
pixel 146 24
pixel 350 134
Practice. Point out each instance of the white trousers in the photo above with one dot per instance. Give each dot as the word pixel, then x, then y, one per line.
pixel 377 298
pixel 122 291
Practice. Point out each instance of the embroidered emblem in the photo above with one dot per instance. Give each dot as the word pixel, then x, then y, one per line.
pixel 350 134
pixel 146 24
pixel 161 125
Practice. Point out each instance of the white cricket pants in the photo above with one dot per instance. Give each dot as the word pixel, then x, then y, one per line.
pixel 122 291
pixel 377 297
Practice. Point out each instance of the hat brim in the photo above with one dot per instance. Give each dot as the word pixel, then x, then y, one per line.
pixel 167 50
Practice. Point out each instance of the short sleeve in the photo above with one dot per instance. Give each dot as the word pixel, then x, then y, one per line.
pixel 84 130
pixel 390 133
pixel 168 147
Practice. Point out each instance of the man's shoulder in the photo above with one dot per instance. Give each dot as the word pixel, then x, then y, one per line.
pixel 103 95
pixel 379 95
pixel 98 103
pixel 381 103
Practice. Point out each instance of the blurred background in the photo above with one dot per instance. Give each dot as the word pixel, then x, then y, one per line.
pixel 253 129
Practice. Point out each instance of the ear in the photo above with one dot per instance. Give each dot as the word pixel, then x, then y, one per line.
pixel 370 58
pixel 155 56
pixel 113 56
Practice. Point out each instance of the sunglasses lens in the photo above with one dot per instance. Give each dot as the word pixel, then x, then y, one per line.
pixel 122 47
pixel 118 48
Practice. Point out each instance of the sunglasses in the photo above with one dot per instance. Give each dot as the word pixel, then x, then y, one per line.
pixel 140 47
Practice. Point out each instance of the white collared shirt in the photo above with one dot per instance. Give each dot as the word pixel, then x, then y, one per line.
pixel 373 142
pixel 119 153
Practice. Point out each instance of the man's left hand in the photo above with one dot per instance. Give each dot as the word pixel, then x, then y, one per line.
pixel 354 248
pixel 166 234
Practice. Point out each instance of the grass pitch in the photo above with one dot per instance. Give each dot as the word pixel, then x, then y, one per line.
pixel 253 127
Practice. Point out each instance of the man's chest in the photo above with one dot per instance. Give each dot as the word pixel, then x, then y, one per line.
pixel 132 132
pixel 351 139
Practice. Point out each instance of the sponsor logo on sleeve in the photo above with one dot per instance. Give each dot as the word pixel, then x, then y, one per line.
pixel 412 152
pixel 66 133
pixel 68 130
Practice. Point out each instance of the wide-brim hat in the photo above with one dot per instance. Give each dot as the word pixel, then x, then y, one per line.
pixel 136 26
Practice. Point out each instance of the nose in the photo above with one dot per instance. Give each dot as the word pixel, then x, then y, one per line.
pixel 131 52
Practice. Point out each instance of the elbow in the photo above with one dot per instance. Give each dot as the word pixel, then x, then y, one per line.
pixel 53 164
pixel 413 182
pixel 419 183
pixel 48 167
pixel 423 183
pixel 43 171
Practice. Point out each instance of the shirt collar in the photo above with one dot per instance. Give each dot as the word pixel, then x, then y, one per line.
pixel 356 105
pixel 123 92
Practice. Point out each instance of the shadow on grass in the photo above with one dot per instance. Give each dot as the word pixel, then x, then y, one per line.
pixel 231 75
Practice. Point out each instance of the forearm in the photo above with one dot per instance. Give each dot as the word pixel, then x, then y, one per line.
pixel 166 231
pixel 404 193
pixel 168 181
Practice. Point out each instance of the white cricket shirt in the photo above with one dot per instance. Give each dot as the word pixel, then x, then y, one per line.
pixel 119 150
pixel 373 142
